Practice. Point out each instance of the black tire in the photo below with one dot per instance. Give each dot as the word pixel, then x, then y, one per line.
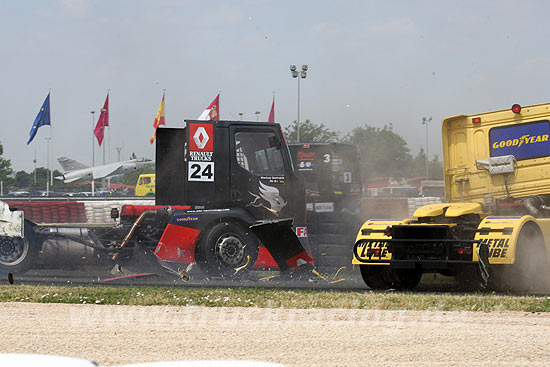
pixel 381 277
pixel 336 250
pixel 334 228
pixel 225 247
pixel 337 239
pixel 406 279
pixel 530 271
pixel 328 263
pixel 375 277
pixel 329 217
pixel 17 255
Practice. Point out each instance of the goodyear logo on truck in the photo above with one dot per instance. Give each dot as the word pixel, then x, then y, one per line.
pixel 524 141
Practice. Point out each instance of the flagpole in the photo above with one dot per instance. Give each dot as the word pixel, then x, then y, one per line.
pixel 51 173
pixel 93 150
pixel 51 129
pixel 34 161
pixel 108 135
pixel 48 166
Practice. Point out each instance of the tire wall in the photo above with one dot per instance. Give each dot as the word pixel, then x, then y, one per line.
pixel 332 236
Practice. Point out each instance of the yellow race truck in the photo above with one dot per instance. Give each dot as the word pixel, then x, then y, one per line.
pixel 494 229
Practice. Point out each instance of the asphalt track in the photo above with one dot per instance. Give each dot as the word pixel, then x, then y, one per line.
pixel 348 279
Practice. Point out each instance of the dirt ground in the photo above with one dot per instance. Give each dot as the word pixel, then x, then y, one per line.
pixel 313 337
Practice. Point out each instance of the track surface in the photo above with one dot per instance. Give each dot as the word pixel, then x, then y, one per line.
pixel 348 279
pixel 310 337
pixel 95 275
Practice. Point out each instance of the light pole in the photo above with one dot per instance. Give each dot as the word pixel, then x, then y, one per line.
pixel 118 149
pixel 241 115
pixel 302 75
pixel 93 153
pixel 425 121
pixel 257 113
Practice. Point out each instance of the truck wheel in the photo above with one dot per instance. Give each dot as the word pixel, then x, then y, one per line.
pixel 375 277
pixel 225 247
pixel 529 270
pixel 406 279
pixel 17 255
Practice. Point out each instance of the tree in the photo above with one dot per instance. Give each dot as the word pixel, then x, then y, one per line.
pixel 130 177
pixel 5 169
pixel 383 152
pixel 311 132
pixel 418 166
pixel 23 179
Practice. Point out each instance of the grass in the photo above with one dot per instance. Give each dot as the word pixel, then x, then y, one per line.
pixel 272 298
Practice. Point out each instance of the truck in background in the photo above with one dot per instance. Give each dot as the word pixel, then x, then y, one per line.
pixel 494 228
pixel 333 193
pixel 145 185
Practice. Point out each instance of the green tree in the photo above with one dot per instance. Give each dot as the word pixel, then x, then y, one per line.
pixel 436 168
pixel 23 179
pixel 130 177
pixel 310 132
pixel 418 166
pixel 5 169
pixel 382 151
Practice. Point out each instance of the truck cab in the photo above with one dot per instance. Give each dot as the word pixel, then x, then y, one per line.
pixel 232 174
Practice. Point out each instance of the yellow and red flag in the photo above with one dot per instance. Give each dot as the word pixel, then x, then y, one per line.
pixel 159 119
pixel 212 112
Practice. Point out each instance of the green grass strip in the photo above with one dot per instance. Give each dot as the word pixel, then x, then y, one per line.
pixel 272 298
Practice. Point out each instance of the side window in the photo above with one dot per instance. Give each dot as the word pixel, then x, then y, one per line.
pixel 146 180
pixel 140 181
pixel 259 153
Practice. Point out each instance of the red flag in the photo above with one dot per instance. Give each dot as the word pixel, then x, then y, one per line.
pixel 102 121
pixel 212 112
pixel 272 112
pixel 159 119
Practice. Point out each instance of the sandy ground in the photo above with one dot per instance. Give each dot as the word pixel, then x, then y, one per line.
pixel 315 337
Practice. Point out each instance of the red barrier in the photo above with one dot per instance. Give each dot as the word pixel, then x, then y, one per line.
pixel 51 211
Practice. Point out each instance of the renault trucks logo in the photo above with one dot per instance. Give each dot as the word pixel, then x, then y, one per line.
pixel 201 153
pixel 524 141
pixel 201 137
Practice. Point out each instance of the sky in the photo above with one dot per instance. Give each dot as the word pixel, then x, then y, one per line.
pixel 370 62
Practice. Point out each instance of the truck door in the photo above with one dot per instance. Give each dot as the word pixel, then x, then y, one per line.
pixel 262 178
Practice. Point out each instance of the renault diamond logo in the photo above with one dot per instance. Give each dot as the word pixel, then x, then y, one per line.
pixel 201 137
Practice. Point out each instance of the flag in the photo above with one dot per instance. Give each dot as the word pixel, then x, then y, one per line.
pixel 159 119
pixel 272 112
pixel 102 121
pixel 43 118
pixel 212 112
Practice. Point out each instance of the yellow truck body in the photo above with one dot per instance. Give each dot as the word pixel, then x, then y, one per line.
pixel 145 185
pixel 494 229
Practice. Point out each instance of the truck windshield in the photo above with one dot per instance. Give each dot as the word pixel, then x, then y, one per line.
pixel 259 153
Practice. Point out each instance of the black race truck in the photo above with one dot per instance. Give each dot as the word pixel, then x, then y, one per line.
pixel 227 198
pixel 333 193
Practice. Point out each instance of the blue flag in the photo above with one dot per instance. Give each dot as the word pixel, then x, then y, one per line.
pixel 43 118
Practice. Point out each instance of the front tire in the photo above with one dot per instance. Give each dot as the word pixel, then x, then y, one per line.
pixel 225 247
pixel 17 255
